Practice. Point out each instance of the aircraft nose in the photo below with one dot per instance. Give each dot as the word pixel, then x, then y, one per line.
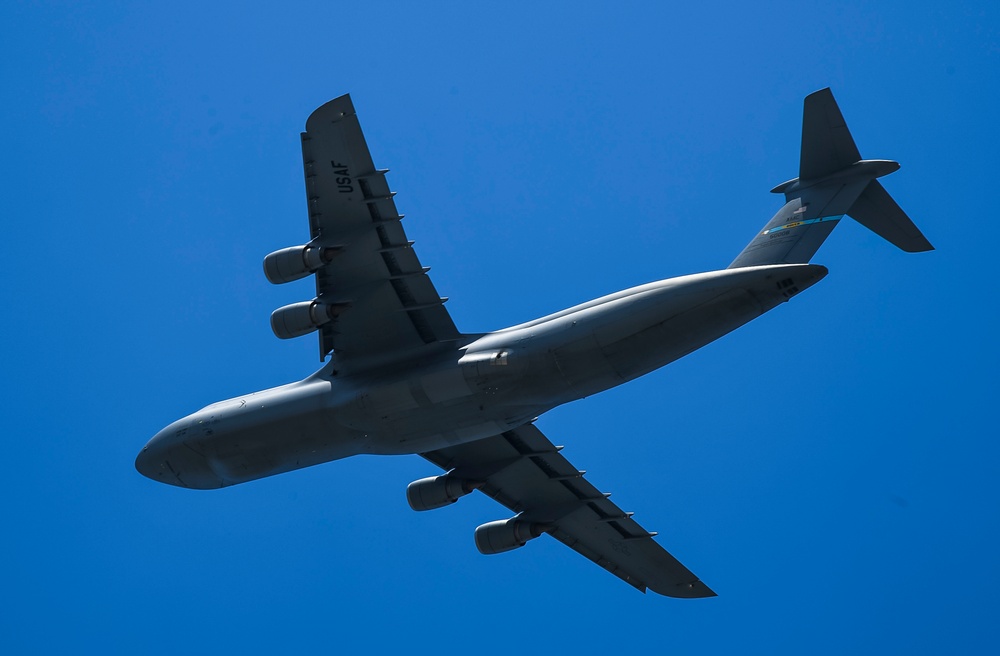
pixel 152 461
pixel 167 459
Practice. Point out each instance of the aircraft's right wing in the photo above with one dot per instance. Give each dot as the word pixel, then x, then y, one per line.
pixel 522 470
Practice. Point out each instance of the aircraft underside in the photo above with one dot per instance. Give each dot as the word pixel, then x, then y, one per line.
pixel 491 385
pixel 402 379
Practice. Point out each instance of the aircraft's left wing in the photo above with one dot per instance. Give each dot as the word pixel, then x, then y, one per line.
pixel 381 295
pixel 522 470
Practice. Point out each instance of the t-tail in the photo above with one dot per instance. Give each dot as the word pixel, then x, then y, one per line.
pixel 833 181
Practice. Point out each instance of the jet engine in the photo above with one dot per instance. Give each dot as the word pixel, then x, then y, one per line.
pixel 302 318
pixel 296 262
pixel 437 491
pixel 506 534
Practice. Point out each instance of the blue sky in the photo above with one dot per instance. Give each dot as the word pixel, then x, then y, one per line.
pixel 830 469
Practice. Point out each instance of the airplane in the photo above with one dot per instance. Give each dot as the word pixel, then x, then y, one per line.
pixel 402 379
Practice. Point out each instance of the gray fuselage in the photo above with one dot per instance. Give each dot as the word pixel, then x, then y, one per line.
pixel 468 390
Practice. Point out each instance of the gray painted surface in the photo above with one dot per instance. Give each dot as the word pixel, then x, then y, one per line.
pixel 402 379
pixel 833 181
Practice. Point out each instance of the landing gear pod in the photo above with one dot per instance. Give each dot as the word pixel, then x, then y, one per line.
pixel 506 535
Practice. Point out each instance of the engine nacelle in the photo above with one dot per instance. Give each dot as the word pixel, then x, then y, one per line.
pixel 505 535
pixel 437 491
pixel 296 262
pixel 302 318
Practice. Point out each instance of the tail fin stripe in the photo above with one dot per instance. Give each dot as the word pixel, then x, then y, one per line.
pixel 796 224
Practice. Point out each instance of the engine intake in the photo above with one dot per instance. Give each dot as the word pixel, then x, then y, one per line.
pixel 296 262
pixel 302 318
pixel 506 535
pixel 437 491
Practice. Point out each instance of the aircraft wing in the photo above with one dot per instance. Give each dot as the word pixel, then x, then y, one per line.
pixel 522 470
pixel 388 302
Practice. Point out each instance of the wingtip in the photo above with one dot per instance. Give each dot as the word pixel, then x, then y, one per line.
pixel 332 110
pixel 692 590
pixel 697 590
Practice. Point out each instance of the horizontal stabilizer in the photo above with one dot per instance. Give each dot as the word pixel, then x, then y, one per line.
pixel 876 210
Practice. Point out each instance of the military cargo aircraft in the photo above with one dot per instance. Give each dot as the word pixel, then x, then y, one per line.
pixel 402 379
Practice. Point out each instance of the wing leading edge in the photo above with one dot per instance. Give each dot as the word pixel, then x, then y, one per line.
pixel 386 302
pixel 524 471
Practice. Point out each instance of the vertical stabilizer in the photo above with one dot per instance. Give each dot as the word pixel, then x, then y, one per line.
pixel 833 181
pixel 827 144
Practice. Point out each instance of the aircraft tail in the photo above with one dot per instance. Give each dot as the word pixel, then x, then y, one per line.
pixel 833 181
